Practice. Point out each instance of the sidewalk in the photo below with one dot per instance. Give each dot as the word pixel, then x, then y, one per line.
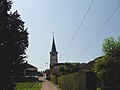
pixel 47 85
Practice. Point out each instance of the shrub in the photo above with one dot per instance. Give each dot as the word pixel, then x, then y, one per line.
pixel 78 81
pixel 54 79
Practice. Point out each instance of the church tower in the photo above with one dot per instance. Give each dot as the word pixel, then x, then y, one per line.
pixel 53 58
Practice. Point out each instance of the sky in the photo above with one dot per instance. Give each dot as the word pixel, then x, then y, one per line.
pixel 64 17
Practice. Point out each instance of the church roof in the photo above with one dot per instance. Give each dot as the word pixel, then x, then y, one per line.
pixel 53 46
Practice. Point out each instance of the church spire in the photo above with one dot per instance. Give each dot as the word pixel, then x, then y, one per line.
pixel 53 46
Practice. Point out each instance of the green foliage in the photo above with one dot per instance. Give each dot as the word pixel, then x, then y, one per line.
pixel 78 81
pixel 98 88
pixel 13 43
pixel 111 47
pixel 107 68
pixel 68 68
pixel 28 86
pixel 54 79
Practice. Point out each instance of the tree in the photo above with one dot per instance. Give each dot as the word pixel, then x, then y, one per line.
pixel 61 69
pixel 111 47
pixel 68 68
pixel 107 68
pixel 13 44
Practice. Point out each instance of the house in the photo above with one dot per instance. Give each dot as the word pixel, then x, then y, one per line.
pixel 87 66
pixel 30 70
pixel 29 74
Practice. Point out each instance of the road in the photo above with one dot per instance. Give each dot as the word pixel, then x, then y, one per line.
pixel 47 85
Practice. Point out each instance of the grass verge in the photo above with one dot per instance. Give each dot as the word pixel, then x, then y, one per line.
pixel 29 86
pixel 98 88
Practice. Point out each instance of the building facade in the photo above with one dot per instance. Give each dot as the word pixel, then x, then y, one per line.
pixel 53 59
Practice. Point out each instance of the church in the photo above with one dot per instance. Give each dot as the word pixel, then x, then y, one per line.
pixel 54 65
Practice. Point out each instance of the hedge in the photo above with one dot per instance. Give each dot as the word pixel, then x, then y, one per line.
pixel 78 81
pixel 54 79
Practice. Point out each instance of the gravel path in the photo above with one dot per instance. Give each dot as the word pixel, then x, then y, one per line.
pixel 47 85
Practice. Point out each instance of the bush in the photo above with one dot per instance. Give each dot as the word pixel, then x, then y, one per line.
pixel 54 79
pixel 107 68
pixel 78 81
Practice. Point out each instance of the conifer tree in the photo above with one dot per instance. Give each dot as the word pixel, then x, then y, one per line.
pixel 13 44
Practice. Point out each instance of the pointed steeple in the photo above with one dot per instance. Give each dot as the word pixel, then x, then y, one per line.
pixel 53 46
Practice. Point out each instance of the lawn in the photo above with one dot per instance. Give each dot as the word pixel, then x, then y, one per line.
pixel 28 86
pixel 98 88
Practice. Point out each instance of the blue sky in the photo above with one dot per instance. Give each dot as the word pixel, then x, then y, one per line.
pixel 64 17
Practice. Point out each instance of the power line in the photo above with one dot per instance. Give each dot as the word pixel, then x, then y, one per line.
pixel 102 28
pixel 78 28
